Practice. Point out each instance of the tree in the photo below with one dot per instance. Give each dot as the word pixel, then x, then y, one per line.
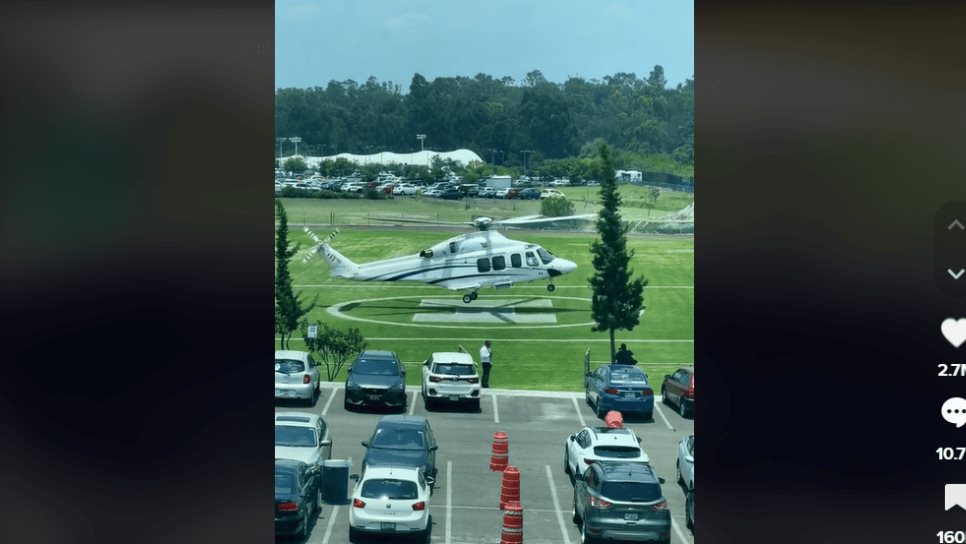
pixel 334 347
pixel 288 307
pixel 556 206
pixel 650 198
pixel 618 299
pixel 295 164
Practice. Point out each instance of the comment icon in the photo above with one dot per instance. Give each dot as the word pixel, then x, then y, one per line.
pixel 954 411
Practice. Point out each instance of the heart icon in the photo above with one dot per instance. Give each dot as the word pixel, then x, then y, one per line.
pixel 955 331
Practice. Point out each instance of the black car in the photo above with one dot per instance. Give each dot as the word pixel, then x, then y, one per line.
pixel 621 501
pixel 529 194
pixel 297 497
pixel 451 194
pixel 402 441
pixel 376 378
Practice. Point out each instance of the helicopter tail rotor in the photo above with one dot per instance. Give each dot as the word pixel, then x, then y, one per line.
pixel 318 242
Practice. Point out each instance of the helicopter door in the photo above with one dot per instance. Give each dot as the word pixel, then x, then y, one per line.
pixel 532 261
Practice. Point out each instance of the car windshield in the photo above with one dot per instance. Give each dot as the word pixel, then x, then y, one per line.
pixel 389 489
pixel 545 255
pixel 289 366
pixel 455 369
pixel 294 436
pixel 631 491
pixel 617 452
pixel 375 367
pixel 627 376
pixel 398 439
pixel 284 484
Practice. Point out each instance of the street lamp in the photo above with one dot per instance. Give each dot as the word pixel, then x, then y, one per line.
pixel 296 141
pixel 525 151
pixel 280 140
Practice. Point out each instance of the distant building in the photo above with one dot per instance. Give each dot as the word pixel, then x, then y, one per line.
pixel 419 158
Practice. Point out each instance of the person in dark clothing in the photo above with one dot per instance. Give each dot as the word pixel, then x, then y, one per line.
pixel 625 356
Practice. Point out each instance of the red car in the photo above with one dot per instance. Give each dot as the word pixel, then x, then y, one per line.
pixel 678 389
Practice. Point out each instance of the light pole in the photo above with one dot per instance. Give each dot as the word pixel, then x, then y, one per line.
pixel 280 140
pixel 422 139
pixel 525 151
pixel 296 141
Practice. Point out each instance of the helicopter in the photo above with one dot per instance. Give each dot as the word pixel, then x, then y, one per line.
pixel 468 262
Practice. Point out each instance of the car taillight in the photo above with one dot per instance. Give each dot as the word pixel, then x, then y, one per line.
pixel 288 506
pixel 599 503
pixel 610 390
pixel 648 392
pixel 306 379
pixel 357 503
pixel 660 506
pixel 435 379
pixel 419 506
pixel 473 380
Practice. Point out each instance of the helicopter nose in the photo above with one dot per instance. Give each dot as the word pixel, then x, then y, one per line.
pixel 560 267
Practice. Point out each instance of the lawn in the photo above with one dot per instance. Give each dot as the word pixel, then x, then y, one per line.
pixel 526 356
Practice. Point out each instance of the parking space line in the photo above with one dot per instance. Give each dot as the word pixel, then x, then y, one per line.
pixel 449 501
pixel 329 402
pixel 677 529
pixel 328 528
pixel 657 408
pixel 496 410
pixel 556 506
pixel 412 405
pixel 579 415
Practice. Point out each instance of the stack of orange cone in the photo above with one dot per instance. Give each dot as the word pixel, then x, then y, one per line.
pixel 512 524
pixel 501 452
pixel 511 486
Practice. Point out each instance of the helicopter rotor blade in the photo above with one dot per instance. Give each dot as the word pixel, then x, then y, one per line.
pixel 424 221
pixel 534 219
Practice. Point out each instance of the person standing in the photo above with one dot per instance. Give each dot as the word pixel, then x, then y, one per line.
pixel 486 359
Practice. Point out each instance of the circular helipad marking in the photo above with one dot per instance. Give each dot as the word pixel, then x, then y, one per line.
pixel 336 310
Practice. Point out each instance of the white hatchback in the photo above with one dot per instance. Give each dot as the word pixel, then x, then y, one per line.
pixel 390 500
pixel 451 377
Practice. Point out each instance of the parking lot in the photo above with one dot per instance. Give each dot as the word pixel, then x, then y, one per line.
pixel 465 504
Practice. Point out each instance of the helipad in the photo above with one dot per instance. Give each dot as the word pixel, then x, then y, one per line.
pixel 485 311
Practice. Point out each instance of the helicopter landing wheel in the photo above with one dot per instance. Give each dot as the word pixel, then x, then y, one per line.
pixel 467 299
pixel 551 287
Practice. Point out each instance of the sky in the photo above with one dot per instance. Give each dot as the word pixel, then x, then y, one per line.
pixel 317 41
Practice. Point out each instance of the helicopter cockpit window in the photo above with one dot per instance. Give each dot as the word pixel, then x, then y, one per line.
pixel 516 261
pixel 426 253
pixel 532 259
pixel 545 255
pixel 483 265
pixel 499 262
pixel 452 247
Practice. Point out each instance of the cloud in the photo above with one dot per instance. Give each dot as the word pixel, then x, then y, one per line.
pixel 404 20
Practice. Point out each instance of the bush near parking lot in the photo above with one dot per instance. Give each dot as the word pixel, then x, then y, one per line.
pixel 334 347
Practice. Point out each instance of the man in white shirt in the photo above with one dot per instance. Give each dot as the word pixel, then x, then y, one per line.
pixel 486 356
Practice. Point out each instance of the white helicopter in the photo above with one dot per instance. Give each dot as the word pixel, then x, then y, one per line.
pixel 466 262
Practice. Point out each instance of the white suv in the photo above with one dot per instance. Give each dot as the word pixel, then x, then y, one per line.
pixel 594 444
pixel 303 437
pixel 451 376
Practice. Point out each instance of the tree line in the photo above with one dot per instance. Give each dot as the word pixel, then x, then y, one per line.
pixel 648 125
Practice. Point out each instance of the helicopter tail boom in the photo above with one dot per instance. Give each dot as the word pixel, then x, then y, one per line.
pixel 341 266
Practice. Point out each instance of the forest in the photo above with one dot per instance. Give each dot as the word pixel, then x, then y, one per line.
pixel 649 125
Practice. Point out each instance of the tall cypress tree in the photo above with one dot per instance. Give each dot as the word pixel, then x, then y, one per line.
pixel 288 307
pixel 618 300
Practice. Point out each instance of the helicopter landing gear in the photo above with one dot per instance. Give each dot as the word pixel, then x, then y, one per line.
pixel 551 287
pixel 469 297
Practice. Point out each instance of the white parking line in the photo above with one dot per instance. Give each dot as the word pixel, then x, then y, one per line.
pixel 677 529
pixel 449 501
pixel 328 403
pixel 412 405
pixel 657 408
pixel 328 528
pixel 579 415
pixel 556 506
pixel 496 410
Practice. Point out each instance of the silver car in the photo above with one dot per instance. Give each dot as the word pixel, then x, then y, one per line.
pixel 296 376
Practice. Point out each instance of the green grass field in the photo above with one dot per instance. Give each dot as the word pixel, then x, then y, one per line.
pixel 548 357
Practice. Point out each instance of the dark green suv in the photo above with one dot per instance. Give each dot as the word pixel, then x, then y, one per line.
pixel 621 501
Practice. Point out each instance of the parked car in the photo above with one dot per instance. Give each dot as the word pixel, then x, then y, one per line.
pixel 593 444
pixel 376 378
pixel 451 194
pixel 487 192
pixel 404 189
pixel 685 463
pixel 390 501
pixel 296 376
pixel 303 437
pixel 432 192
pixel 678 389
pixel 501 193
pixel 297 497
pixel 621 501
pixel 402 441
pixel 451 377
pixel 529 194
pixel 619 387
pixel 511 193
pixel 689 510
pixel 551 193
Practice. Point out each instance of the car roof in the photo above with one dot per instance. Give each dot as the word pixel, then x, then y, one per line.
pixel 377 354
pixel 384 471
pixel 452 357
pixel 291 354
pixel 297 419
pixel 622 471
pixel 401 422
pixel 615 437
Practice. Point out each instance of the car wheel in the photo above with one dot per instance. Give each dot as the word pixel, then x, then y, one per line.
pixel 353 534
pixel 664 400
pixel 428 403
pixel 682 408
pixel 680 476
pixel 648 416
pixel 305 526
pixel 476 405
pixel 688 506
pixel 584 537
pixel 575 517
pixel 345 404
pixel 566 461
pixel 598 409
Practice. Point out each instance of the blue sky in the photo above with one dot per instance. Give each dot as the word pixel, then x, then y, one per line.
pixel 320 40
